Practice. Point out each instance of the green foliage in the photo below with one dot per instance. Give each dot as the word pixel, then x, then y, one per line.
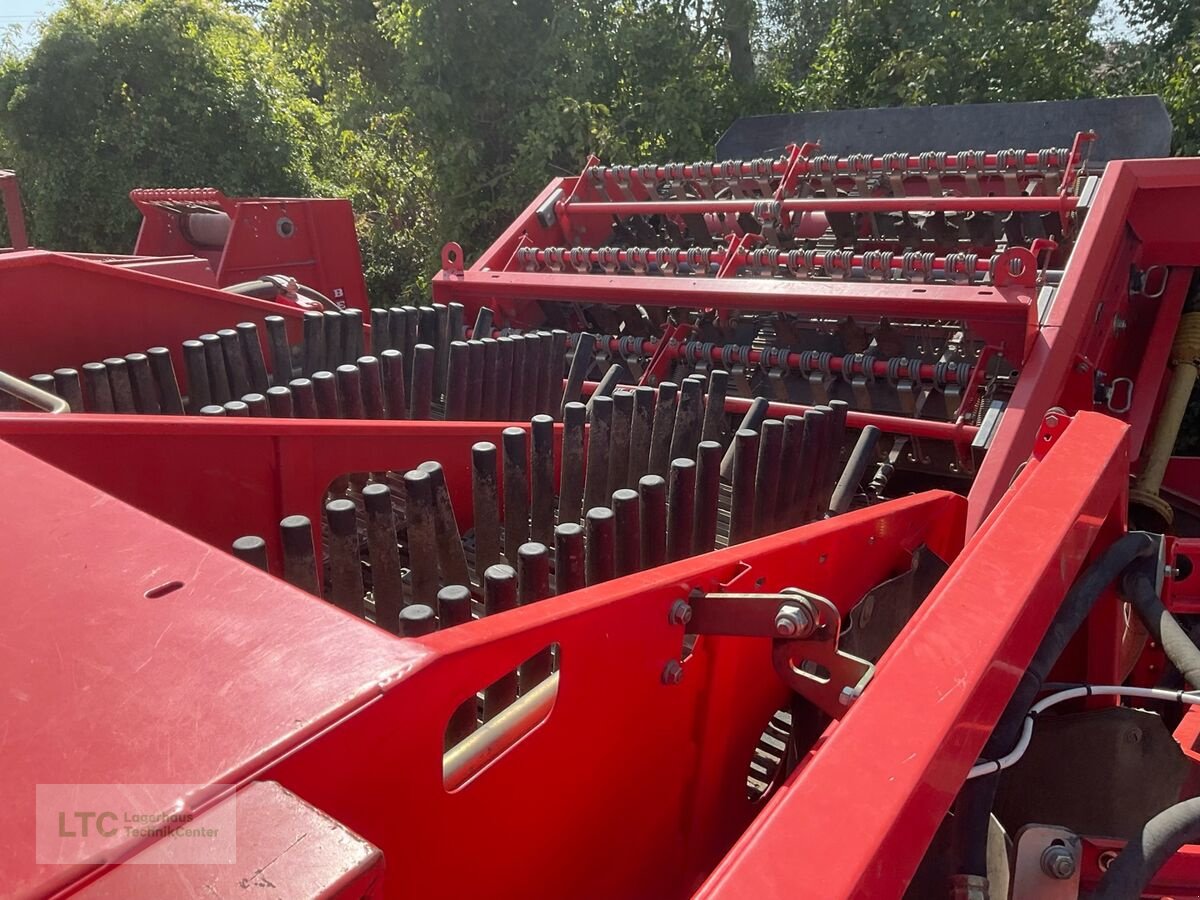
pixel 125 93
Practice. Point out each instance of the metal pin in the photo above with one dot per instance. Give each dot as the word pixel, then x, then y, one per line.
pixel 393 384
pixel 417 620
pixel 43 382
pixel 689 418
pixel 349 391
pixel 352 334
pixel 97 393
pixel 652 497
pixel 619 441
pixel 237 409
pixel 120 385
pixel 235 362
pixel 817 432
pixel 680 508
pixel 195 361
pixel 616 374
pixel 387 587
pixel 422 381
pixel 581 364
pixel 257 404
pixel 568 558
pixel 483 324
pixel 793 447
pixel 412 327
pixel 541 478
pixel 533 584
pixel 426 325
pixel 67 386
pixel 218 377
pixel 252 549
pixel 345 564
pixel 145 391
pixel 486 504
pixel 304 398
pixel 279 399
pixel 628 557
pixel 767 480
pixel 333 339
pixel 501 393
pixel 750 422
pixel 381 332
pixel 487 396
pixel 299 557
pixel 856 465
pixel 664 426
pixel 455 322
pixel 745 461
pixel 212 410
pixel 535 379
pixel 714 407
pixel 837 440
pixel 641 430
pixel 397 329
pixel 441 347
pixel 456 381
pixel 499 595
pixel 595 486
pixel 313 348
pixel 170 400
pixel 708 496
pixel 454 608
pixel 516 491
pixel 452 558
pixel 555 347
pixel 421 536
pixel 281 351
pixel 371 387
pixel 599 551
pixel 325 389
pixel 570 484
pixel 475 365
pixel 518 399
pixel 252 353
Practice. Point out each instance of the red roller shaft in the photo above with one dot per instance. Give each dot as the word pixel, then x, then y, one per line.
pixel 1057 204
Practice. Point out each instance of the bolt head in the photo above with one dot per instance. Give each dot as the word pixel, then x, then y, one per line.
pixel 680 613
pixel 794 621
pixel 672 673
pixel 1058 862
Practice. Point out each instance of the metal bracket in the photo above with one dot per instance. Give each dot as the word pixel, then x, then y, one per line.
pixel 1048 863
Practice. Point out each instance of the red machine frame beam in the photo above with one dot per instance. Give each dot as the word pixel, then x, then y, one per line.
pixel 856 820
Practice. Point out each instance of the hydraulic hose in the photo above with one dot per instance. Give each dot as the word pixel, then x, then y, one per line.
pixel 977 797
pixel 1134 867
pixel 1175 642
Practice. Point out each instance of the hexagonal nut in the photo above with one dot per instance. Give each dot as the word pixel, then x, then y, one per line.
pixel 1058 862
pixel 680 613
pixel 672 673
pixel 794 620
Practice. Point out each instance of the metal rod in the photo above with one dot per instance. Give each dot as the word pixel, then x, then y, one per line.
pixel 501 395
pixel 212 410
pixel 518 401
pixel 570 490
pixel 483 323
pixel 766 487
pixel 456 381
pixel 681 508
pixel 349 390
pixel 120 385
pixel 533 584
pixel 370 379
pixel 195 362
pixel 652 496
pixel 387 585
pixel 454 608
pixel 279 399
pixel 554 372
pixel 708 496
pixel 640 432
pixel 535 379
pixel 616 374
pixel 345 565
pixel 581 364
pixel 1034 204
pixel 452 558
pixel 299 556
pixel 170 400
pixel 218 377
pixel 751 421
pixel 741 511
pixel 97 393
pixel 441 345
pixel 595 485
pixel 860 457
pixel 475 367
pixel 422 381
pixel 235 362
pixel 792 473
pixel 516 490
pixel 304 397
pixel 237 409
pixel 325 389
pixel 486 504
pixel 333 340
pixel 313 343
pixel 381 332
pixel 487 400
pixel 714 408
pixel 818 431
pixel 67 386
pixel 417 620
pixel 393 384
pixel 257 404
pixel 599 550
pixel 689 418
pixel 568 558
pixel 619 437
pixel 145 391
pixel 352 334
pixel 499 595
pixel 421 536
pixel 664 427
pixel 252 350
pixel 541 468
pixel 252 549
pixel 628 556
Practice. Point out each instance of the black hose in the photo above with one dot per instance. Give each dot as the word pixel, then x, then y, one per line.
pixel 1174 640
pixel 977 797
pixel 1131 871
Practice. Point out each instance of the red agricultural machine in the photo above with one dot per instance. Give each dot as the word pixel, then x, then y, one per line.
pixel 803 524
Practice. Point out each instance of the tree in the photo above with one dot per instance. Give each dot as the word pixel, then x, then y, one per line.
pixel 129 93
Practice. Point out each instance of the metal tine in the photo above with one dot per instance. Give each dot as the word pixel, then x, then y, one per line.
pixel 618 446
pixel 454 608
pixel 456 329
pixel 641 430
pixel 483 324
pixel 595 485
pixel 803 471
pixel 393 384
pixel 252 549
pixel 422 381
pixel 212 410
pixel 279 399
pixel 281 352
pixel 299 556
pixel 145 391
pixel 119 383
pixel 616 374
pixel 599 544
pixel 381 330
pixel 170 400
pixel 195 362
pixel 43 382
pixel 452 558
pixel 237 409
pixel 837 441
pixel 397 330
pixel 628 558
pixel 570 485
pixel 370 380
pixel 97 393
pixel 345 564
pixel 664 426
pixel 349 390
pixel 352 335
pixel 427 325
pixel 555 350
pixel 313 344
pixel 689 418
pixel 516 491
pixel 541 479
pixel 441 344
pixel 791 473
pixel 387 585
pixel 505 377
pixel 456 381
pixel 751 421
pixel 485 500
pixel 581 364
pixel 235 362
pixel 257 405
pixel 822 439
pixel 766 487
pixel 421 537
pixel 304 398
pixel 714 408
pixel 533 584
pixel 218 377
pixel 499 595
pixel 487 394
pixel 535 373
pixel 708 496
pixel 67 386
pixel 412 331
pixel 252 351
pixel 417 620
pixel 518 400
pixel 475 363
pixel 325 389
pixel 856 466
pixel 568 558
pixel 741 507
pixel 333 340
pixel 652 502
pixel 681 506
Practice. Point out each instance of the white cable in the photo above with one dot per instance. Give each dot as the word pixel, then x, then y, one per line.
pixel 991 766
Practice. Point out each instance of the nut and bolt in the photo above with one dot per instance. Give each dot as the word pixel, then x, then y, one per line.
pixel 1058 862
pixel 672 672
pixel 795 620
pixel 680 613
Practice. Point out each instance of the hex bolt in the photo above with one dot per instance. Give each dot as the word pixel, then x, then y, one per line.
pixel 672 673
pixel 795 620
pixel 680 613
pixel 1058 862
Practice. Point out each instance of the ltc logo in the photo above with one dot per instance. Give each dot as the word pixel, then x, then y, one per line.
pixel 101 823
